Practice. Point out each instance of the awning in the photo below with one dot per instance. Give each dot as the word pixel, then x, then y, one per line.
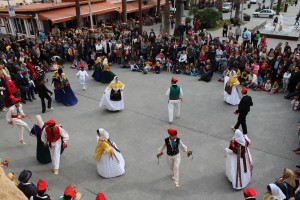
pixel 67 14
pixel 17 16
pixel 134 6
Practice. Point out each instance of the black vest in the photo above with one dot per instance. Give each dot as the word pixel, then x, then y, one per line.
pixel 170 150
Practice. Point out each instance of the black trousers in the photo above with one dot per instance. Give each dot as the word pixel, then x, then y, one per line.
pixel 43 102
pixel 242 121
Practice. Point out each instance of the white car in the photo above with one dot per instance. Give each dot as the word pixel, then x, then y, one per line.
pixel 265 13
pixel 253 1
pixel 226 7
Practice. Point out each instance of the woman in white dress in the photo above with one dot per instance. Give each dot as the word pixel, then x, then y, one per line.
pixel 239 161
pixel 231 94
pixel 110 162
pixel 112 98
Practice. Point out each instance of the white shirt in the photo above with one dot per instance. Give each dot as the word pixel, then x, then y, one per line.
pixel 14 111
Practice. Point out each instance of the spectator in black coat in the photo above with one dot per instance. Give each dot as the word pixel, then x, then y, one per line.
pixel 29 189
pixel 23 84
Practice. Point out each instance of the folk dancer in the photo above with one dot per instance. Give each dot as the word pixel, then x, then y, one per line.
pixel 14 115
pixel 53 136
pixel 82 75
pixel 175 97
pixel 242 111
pixel 239 161
pixel 172 143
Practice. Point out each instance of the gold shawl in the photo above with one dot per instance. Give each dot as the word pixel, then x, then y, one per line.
pixel 232 81
pixel 102 147
pixel 118 85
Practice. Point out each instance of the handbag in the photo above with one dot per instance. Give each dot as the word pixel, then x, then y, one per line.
pixel 115 95
pixel 228 89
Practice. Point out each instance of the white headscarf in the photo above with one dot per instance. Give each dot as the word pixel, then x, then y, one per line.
pixel 114 80
pixel 276 192
pixel 103 134
pixel 239 137
pixel 39 120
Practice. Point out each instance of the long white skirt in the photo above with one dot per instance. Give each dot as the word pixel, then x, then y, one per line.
pixel 233 98
pixel 231 169
pixel 111 105
pixel 111 167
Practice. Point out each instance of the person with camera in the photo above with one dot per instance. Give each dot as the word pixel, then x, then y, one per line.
pixel 172 143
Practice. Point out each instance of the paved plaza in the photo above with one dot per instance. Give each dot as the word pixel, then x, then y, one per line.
pixel 139 130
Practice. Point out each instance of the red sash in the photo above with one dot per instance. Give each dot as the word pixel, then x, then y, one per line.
pixel 52 136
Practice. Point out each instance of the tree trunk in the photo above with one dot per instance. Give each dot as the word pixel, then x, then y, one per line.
pixel 178 16
pixel 278 7
pixel 166 18
pixel 77 7
pixel 237 9
pixel 158 8
pixel 124 11
pixel 220 5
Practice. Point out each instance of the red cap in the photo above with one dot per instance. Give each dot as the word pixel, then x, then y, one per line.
pixel 50 122
pixel 100 196
pixel 172 132
pixel 41 185
pixel 69 191
pixel 249 192
pixel 174 80
pixel 244 90
pixel 15 100
pixel 81 65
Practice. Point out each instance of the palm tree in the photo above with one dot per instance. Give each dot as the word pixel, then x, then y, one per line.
pixel 278 7
pixel 178 16
pixel 124 11
pixel 166 18
pixel 220 5
pixel 237 9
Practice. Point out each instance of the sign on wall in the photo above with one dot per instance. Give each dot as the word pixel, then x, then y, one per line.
pixel 11 11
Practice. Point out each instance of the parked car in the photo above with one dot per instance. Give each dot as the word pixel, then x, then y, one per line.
pixel 265 13
pixel 253 1
pixel 226 7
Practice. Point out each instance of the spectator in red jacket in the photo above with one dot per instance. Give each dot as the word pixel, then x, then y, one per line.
pixel 11 89
pixel 31 68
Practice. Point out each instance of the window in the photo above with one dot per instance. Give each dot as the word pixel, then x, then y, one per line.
pixel 20 25
pixel 32 26
pixel 6 22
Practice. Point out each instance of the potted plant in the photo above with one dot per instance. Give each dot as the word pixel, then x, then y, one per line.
pixel 246 17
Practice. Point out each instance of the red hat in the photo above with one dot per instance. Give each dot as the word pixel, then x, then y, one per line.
pixel 50 122
pixel 69 191
pixel 249 192
pixel 244 90
pixel 172 132
pixel 100 196
pixel 41 185
pixel 174 80
pixel 81 65
pixel 15 100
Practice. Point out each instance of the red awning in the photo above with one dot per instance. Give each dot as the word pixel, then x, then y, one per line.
pixel 67 14
pixel 134 5
pixel 17 16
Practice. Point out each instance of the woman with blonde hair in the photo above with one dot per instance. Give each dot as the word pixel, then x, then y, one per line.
pixel 110 162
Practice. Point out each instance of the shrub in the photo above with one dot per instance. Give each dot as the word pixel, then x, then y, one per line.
pixel 188 20
pixel 208 17
pixel 246 17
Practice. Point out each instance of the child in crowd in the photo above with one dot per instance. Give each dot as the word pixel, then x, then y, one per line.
pixel 268 86
pixel 275 88
pixel 133 66
pixel 74 65
pixel 243 78
pixel 30 86
pixel 285 80
pixel 259 83
pixel 295 103
pixel 148 65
